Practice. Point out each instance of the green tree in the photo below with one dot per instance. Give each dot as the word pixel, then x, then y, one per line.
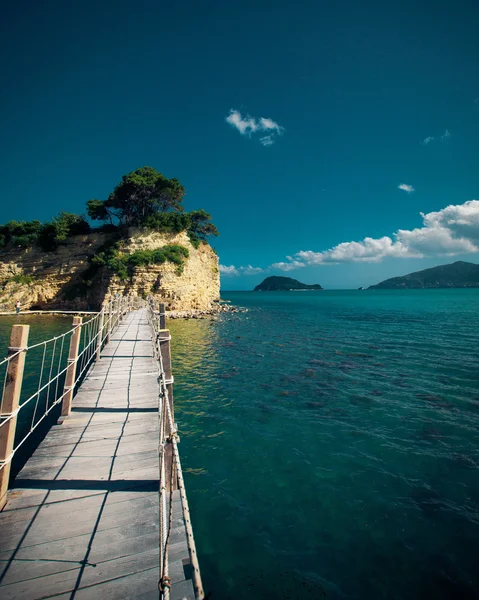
pixel 140 195
pixel 200 224
pixel 98 211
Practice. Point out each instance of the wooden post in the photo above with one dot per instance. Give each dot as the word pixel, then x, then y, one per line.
pixel 164 339
pixel 110 319
pixel 100 333
pixel 10 403
pixel 72 368
pixel 162 315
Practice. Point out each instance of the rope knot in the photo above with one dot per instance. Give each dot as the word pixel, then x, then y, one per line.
pixel 164 583
pixel 173 436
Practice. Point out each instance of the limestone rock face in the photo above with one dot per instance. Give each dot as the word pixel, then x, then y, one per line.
pixel 50 280
pixel 195 289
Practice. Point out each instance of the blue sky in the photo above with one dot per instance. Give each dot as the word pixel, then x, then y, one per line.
pixel 351 92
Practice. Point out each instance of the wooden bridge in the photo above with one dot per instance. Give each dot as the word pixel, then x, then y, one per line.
pixel 99 510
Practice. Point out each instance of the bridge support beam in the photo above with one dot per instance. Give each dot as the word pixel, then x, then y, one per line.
pixel 10 403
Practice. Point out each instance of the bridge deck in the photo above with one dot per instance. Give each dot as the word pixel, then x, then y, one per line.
pixel 82 518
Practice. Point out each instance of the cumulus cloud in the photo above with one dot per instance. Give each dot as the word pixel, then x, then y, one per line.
pixel 248 125
pixel 405 187
pixel 245 125
pixel 290 265
pixel 232 270
pixel 428 140
pixel 452 230
pixel 269 124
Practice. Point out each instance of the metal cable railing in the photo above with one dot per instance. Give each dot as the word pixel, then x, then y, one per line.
pixel 55 368
pixel 169 438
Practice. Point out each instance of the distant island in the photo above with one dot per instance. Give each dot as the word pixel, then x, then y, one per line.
pixel 456 275
pixel 284 284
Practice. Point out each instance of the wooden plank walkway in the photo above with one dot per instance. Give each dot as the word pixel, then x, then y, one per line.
pixel 82 518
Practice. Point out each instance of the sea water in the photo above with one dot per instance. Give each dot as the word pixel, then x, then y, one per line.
pixel 330 444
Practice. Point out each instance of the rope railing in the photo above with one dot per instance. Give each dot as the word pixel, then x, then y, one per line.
pixel 55 368
pixel 168 482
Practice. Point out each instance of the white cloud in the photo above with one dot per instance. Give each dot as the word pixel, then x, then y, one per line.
pixel 245 125
pixel 269 124
pixel 248 125
pixel 267 140
pixel 405 187
pixel 445 135
pixel 232 270
pixel 288 266
pixel 431 138
pixel 452 230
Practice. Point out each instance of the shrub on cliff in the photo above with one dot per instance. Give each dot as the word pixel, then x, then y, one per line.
pixel 52 234
pixel 196 223
pixel 19 233
pixel 48 235
pixel 124 265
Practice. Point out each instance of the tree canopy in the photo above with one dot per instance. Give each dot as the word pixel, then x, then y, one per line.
pixel 146 198
pixel 140 194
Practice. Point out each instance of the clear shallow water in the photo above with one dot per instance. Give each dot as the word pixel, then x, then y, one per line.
pixel 330 443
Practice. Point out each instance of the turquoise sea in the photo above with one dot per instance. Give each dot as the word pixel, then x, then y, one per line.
pixel 330 443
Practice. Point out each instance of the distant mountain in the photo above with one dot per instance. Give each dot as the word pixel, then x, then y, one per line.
pixel 457 275
pixel 277 284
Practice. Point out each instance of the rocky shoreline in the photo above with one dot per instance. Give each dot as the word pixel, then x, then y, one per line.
pixel 204 314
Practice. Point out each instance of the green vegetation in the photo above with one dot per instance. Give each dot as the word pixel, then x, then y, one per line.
pixel 124 265
pixel 286 284
pixel 143 198
pixel 47 235
pixel 146 198
pixel 24 279
pixel 459 274
pixel 140 194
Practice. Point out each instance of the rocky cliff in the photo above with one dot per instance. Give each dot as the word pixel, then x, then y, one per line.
pixel 53 280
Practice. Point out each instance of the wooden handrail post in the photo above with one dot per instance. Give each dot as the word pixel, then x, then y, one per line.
pixel 72 367
pixel 162 316
pixel 110 318
pixel 100 333
pixel 10 403
pixel 164 339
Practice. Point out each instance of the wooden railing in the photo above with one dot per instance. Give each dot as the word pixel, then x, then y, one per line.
pixel 61 362
pixel 171 474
